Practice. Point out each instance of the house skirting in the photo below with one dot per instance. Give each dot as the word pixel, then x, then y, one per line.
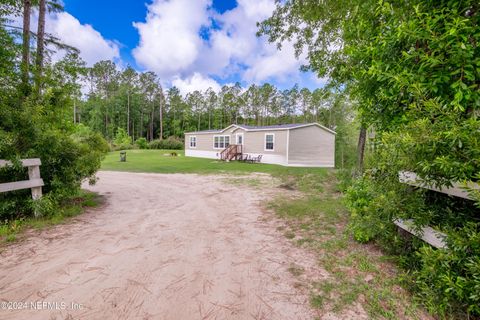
pixel 266 158
pixel 202 154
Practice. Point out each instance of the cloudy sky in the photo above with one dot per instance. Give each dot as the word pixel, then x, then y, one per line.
pixel 192 44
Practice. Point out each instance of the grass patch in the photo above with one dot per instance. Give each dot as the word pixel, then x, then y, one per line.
pixel 11 230
pixel 358 274
pixel 250 182
pixel 160 161
pixel 316 301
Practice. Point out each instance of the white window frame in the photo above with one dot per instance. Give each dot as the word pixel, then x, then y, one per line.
pixel 220 136
pixel 190 142
pixel 265 142
pixel 243 138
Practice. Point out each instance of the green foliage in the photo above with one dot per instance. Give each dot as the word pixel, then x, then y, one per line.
pixel 171 143
pixel 450 280
pixel 142 143
pixel 446 280
pixel 66 161
pixel 39 125
pixel 122 138
pixel 52 211
pixel 413 69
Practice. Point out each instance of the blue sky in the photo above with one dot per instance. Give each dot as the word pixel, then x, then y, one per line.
pixel 193 44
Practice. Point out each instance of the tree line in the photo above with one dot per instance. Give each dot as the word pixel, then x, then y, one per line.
pixel 136 102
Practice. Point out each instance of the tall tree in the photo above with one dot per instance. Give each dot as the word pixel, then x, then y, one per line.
pixel 25 66
pixel 129 77
pixel 161 107
pixel 42 8
pixel 336 35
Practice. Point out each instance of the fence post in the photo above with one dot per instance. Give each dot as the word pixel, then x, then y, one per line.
pixel 34 173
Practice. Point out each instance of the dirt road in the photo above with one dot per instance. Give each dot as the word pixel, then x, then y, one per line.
pixel 162 247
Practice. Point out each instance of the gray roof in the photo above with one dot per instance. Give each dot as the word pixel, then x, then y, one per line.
pixel 206 131
pixel 273 127
pixel 276 126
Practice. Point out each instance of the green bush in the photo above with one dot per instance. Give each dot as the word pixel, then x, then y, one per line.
pixel 142 143
pixel 446 280
pixel 450 279
pixel 122 138
pixel 171 143
pixel 67 159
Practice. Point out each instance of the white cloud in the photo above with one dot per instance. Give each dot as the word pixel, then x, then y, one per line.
pixel 169 39
pixel 171 44
pixel 195 82
pixel 280 65
pixel 262 59
pixel 92 45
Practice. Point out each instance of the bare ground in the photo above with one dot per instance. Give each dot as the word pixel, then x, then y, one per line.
pixel 163 247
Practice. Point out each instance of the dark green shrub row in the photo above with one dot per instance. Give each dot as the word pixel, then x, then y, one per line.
pixel 171 143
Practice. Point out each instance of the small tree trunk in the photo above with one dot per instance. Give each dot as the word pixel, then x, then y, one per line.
pixel 151 125
pixel 198 123
pixel 42 8
pixel 160 109
pixel 209 119
pixel 27 7
pixel 133 130
pixel 141 125
pixel 361 147
pixel 74 111
pixel 128 112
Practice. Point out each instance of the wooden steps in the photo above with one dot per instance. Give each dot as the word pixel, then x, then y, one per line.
pixel 232 152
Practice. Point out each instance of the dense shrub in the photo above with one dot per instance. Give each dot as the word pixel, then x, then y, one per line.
pixel 68 157
pixel 122 138
pixel 422 62
pixel 447 280
pixel 142 143
pixel 171 143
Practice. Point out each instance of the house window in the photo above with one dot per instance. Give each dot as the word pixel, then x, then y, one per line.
pixel 269 141
pixel 240 138
pixel 221 142
pixel 193 142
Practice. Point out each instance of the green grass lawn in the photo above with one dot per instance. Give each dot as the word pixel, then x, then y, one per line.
pixel 160 161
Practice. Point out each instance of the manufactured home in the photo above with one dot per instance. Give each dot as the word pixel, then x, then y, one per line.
pixel 301 145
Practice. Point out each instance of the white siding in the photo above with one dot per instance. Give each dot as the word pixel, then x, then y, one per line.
pixel 311 146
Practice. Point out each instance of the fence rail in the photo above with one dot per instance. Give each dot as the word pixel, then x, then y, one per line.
pixel 431 236
pixel 457 189
pixel 34 182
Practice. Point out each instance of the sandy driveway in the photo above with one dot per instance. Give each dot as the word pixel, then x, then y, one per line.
pixel 162 247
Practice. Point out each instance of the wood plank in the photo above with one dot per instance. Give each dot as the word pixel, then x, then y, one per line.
pixel 427 234
pixel 25 162
pixel 19 185
pixel 457 189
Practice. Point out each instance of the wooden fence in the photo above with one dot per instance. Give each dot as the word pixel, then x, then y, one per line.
pixel 34 182
pixel 428 234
